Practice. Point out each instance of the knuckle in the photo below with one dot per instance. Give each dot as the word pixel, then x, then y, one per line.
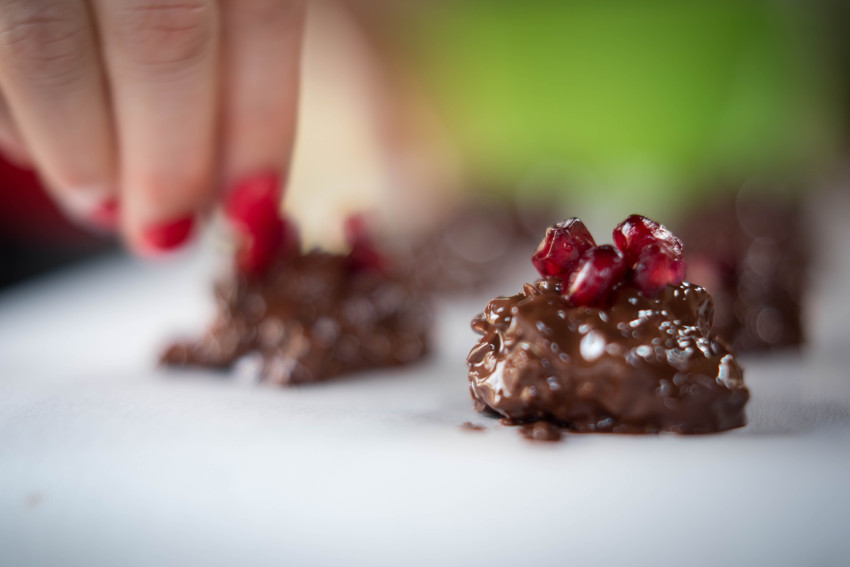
pixel 167 33
pixel 44 40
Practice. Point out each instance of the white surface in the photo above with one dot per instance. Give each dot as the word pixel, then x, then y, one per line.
pixel 106 461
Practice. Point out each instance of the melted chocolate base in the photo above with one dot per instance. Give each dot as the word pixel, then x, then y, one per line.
pixel 641 366
pixel 541 431
pixel 311 317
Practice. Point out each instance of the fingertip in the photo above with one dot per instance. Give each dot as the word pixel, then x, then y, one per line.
pixel 160 210
pixel 254 196
pixel 90 208
pixel 17 156
pixel 105 215
pixel 156 239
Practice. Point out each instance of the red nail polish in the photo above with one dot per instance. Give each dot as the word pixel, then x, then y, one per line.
pixel 105 215
pixel 254 202
pixel 253 208
pixel 167 236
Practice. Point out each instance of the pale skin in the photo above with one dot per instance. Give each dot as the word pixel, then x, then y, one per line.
pixel 157 106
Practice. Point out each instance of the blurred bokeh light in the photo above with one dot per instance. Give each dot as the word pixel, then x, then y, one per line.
pixel 602 107
pixel 634 101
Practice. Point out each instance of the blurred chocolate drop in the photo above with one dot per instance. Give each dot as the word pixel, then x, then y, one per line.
pixel 311 318
pixel 751 252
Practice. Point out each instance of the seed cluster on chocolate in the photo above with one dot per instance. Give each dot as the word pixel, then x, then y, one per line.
pixel 647 255
pixel 609 340
pixel 309 317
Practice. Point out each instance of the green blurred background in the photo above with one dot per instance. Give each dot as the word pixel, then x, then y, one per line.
pixel 645 103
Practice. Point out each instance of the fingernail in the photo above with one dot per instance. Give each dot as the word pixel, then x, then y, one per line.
pixel 254 201
pixel 18 157
pixel 90 206
pixel 161 238
pixel 105 215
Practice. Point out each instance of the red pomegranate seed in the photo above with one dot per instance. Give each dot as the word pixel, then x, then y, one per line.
pixel 637 232
pixel 364 255
pixel 355 228
pixel 652 251
pixel 598 270
pixel 656 268
pixel 265 243
pixel 561 249
pixel 253 208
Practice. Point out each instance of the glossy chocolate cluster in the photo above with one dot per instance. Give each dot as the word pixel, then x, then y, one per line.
pixel 632 359
pixel 309 317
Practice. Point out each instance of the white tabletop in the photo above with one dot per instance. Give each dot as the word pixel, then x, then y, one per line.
pixel 105 460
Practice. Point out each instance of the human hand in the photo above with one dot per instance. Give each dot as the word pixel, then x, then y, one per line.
pixel 139 114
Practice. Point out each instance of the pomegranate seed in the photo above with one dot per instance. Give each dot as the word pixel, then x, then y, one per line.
pixel 561 249
pixel 253 207
pixel 598 270
pixel 656 268
pixel 364 255
pixel 355 228
pixel 652 251
pixel 265 243
pixel 636 232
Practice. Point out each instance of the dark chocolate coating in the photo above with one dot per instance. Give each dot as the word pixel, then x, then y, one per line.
pixel 752 255
pixel 311 318
pixel 641 366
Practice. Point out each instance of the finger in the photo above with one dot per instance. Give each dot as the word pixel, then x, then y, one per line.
pixel 262 45
pixel 162 62
pixel 11 144
pixel 52 79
